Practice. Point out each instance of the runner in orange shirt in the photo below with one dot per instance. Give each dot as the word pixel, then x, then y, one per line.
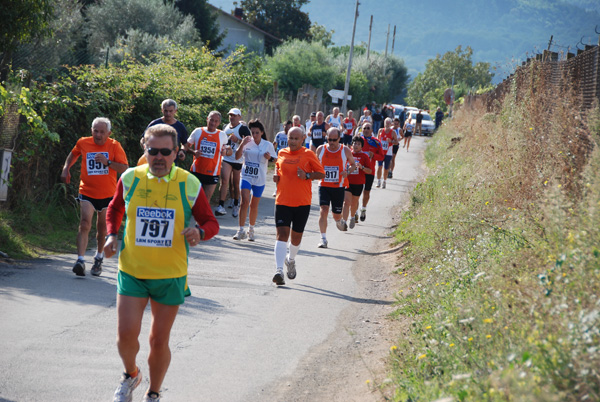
pixel 102 158
pixel 334 158
pixel 208 144
pixel 295 169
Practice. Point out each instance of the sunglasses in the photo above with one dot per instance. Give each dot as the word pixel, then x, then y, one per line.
pixel 163 151
pixel 366 128
pixel 332 139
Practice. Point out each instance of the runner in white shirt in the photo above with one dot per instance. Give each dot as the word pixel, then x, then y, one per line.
pixel 257 151
pixel 334 120
pixel 230 169
pixel 309 123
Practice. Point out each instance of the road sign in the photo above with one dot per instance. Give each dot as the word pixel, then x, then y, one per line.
pixel 337 94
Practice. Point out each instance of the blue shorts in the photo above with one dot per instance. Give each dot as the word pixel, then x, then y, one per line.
pixel 385 162
pixel 256 190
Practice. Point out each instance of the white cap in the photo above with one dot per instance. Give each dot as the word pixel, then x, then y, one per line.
pixel 235 111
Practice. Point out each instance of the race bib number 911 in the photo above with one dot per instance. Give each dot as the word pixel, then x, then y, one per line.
pixel 154 227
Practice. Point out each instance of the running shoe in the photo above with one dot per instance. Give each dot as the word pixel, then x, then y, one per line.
pixel 291 268
pixel 363 215
pixel 230 203
pixel 251 234
pixel 79 268
pixel 124 391
pixel 341 225
pixel 356 217
pixel 151 398
pixel 390 174
pixel 352 222
pixel 383 184
pixel 278 278
pixel 97 267
pixel 236 211
pixel 239 235
pixel 378 183
pixel 220 211
pixel 322 243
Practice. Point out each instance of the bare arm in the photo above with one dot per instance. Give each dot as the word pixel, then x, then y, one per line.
pixel 65 176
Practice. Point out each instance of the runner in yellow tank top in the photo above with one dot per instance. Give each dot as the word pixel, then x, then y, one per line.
pixel 158 200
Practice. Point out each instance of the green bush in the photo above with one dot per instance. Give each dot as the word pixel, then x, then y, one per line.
pixel 129 94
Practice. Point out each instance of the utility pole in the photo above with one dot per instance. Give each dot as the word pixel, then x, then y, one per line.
pixel 394 39
pixel 369 43
pixel 387 39
pixel 347 85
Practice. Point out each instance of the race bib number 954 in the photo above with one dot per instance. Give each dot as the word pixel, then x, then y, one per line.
pixel 154 227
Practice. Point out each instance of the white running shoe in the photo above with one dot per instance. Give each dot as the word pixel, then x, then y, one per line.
pixel 352 223
pixel 239 235
pixel 236 211
pixel 322 243
pixel 124 392
pixel 251 234
pixel 341 225
pixel 229 203
pixel 278 278
pixel 383 184
pixel 378 183
pixel 220 211
pixel 291 268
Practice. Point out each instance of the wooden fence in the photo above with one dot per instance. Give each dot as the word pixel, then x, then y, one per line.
pixel 576 74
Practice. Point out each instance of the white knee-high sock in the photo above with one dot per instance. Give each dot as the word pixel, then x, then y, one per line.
pixel 280 251
pixel 293 251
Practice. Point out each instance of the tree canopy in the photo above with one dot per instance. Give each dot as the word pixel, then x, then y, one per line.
pixel 282 19
pixel 204 19
pixel 22 22
pixel 136 28
pixel 456 66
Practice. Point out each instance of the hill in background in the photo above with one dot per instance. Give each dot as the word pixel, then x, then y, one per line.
pixel 502 32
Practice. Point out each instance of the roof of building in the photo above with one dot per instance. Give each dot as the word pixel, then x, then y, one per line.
pixel 244 23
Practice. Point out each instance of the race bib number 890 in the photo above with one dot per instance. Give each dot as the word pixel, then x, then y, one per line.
pixel 154 227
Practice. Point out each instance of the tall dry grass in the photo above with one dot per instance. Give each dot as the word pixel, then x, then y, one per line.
pixel 502 268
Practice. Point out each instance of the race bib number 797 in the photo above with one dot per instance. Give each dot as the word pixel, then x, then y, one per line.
pixel 154 227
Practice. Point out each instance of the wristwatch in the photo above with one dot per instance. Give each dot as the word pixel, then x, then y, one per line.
pixel 108 163
pixel 201 231
pixel 109 235
pixel 307 176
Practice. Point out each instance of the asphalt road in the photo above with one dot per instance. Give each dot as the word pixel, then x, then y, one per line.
pixel 234 339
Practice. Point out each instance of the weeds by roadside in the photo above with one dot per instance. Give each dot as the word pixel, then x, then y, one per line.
pixel 503 267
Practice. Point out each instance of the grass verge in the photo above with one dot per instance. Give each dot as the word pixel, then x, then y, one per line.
pixel 36 228
pixel 502 270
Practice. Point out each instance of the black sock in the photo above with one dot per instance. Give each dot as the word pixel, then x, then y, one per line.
pixel 222 203
pixel 236 202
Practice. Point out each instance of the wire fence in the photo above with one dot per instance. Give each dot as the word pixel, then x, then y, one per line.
pixel 577 74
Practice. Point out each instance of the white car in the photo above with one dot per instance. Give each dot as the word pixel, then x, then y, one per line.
pixel 427 125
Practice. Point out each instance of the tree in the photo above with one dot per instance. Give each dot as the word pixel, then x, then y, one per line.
pixel 45 54
pixel 137 28
pixel 318 33
pixel 22 21
pixel 205 21
pixel 387 77
pixel 457 67
pixel 296 63
pixel 282 19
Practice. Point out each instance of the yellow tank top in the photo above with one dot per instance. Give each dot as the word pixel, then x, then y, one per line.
pixel 157 211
